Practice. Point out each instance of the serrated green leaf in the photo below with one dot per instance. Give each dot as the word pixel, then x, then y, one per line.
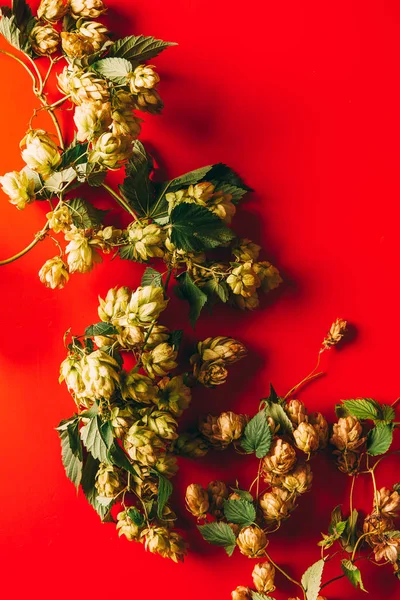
pixel 89 172
pixel 237 193
pixel 151 277
pixel 278 414
pixel 115 69
pixel 84 214
pixel 138 49
pixel 136 516
pixel 244 494
pixel 9 29
pixel 350 534
pixel 118 457
pixel 71 456
pixel 219 534
pixel 60 180
pixel 257 436
pixel 336 531
pixel 311 580
pixel 240 511
pixel 22 13
pixel 74 155
pixel 97 438
pixel 164 492
pixel 128 253
pixel 379 439
pixel 388 413
pixel 137 187
pixel 100 329
pixel 217 288
pixel 183 181
pixel 194 295
pixel 260 596
pixel 363 408
pixel 195 228
pixel 353 574
pixel 89 489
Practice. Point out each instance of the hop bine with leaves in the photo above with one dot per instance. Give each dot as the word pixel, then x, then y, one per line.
pixel 121 444
pixel 110 83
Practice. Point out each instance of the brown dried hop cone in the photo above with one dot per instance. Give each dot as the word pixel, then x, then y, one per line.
pixel 191 446
pixel 217 493
pixel 299 480
pixel 225 348
pixel 44 40
pixel 276 505
pixel 252 541
pixel 52 10
pixel 388 502
pixel 388 550
pixel 296 412
pixel 375 525
pixel 306 438
pixel 231 426
pixel 210 429
pixel 174 395
pixel 347 462
pixel 347 434
pixel 241 593
pixel 197 500
pixel 91 9
pixel 210 374
pixel 263 577
pixel 335 334
pixel 321 426
pixel 280 458
pixel 108 480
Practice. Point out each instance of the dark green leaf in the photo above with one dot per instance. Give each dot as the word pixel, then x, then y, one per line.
pixel 278 414
pixel 68 23
pixel 151 277
pixel 363 408
pixel 164 492
pixel 136 516
pixel 89 172
pixel 74 155
pixel 137 187
pixel 222 174
pixel 218 288
pixel 257 436
pixel 84 214
pixel 219 534
pixel 311 580
pixel 175 338
pixel 100 329
pixel 138 49
pixel 241 512
pixel 96 438
pixel 388 413
pixel 194 295
pixel 379 439
pixel 117 456
pixel 63 425
pixel 115 69
pixel 71 456
pixel 237 193
pixel 183 181
pixel 12 34
pixel 22 12
pixel 128 253
pixel 353 574
pixel 350 535
pixel 194 228
pixel 243 494
pixel 89 489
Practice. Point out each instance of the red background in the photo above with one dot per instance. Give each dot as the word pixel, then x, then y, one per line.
pixel 302 98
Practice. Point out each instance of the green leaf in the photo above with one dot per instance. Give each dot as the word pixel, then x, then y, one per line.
pixel 311 580
pixel 100 329
pixel 278 414
pixel 89 489
pixel 84 214
pixel 379 439
pixel 164 492
pixel 336 531
pixel 175 338
pixel 118 457
pixel 138 49
pixel 219 534
pixel 114 69
pixel 183 181
pixel 151 277
pixel 237 193
pixel 350 535
pixel 97 438
pixel 136 516
pixel 219 288
pixel 363 408
pixel 59 181
pixel 194 228
pixel 241 512
pixel 260 596
pixel 74 155
pixel 22 13
pixel 71 452
pixel 223 174
pixel 194 295
pixel 257 436
pixel 244 494
pixel 89 172
pixel 9 29
pixel 128 253
pixel 137 187
pixel 353 574
pixel 388 413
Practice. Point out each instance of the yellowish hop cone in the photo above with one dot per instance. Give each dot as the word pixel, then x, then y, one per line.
pixel 19 187
pixel 197 501
pixel 264 577
pixel 252 541
pixel 54 273
pixel 52 10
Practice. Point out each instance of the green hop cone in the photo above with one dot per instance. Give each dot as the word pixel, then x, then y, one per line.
pixel 143 445
pixel 108 481
pixel 144 307
pixel 175 395
pixel 127 527
pixel 160 360
pixel 146 240
pixel 137 387
pixel 191 446
pixel 100 375
pixel 162 423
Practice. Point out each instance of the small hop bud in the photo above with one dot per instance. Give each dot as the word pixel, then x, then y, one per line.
pixel 71 373
pixel 160 360
pixel 108 481
pixel 210 374
pixel 209 428
pixel 44 40
pixel 347 434
pixel 241 593
pixel 243 280
pixel 217 493
pixel 121 419
pixel 175 395
pixel 54 273
pixel 52 10
pixel 92 119
pixel 190 446
pixel 125 123
pixel 388 502
pixel 306 438
pixel 347 461
pixel 82 255
pixel 388 550
pixel 60 219
pixel 280 458
pixel 19 188
pixel 225 348
pixel 197 500
pixel 246 302
pixel 263 577
pixel 146 240
pixel 268 275
pixel 40 152
pixel 320 425
pixel 169 544
pixel 200 193
pixel 149 101
pixel 75 45
pixel 91 9
pixel 296 412
pixel 335 334
pixel 143 445
pixel 276 505
pixel 252 541
pixel 127 527
pixel 143 78
pixel 299 480
pixel 221 205
pixel 115 304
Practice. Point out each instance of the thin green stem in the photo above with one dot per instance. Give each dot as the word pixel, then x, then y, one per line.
pixel 120 200
pixel 278 568
pixel 21 62
pixel 309 377
pixel 38 237
pixel 160 197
